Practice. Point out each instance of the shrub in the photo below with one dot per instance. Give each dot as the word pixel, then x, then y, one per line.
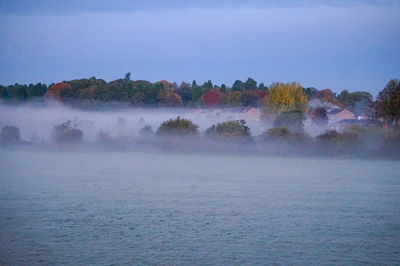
pixel 146 131
pixel 103 138
pixel 66 134
pixel 293 120
pixel 391 143
pixel 178 126
pixel 10 135
pixel 234 128
pixel 334 142
pixel 372 135
pixel 286 135
pixel 278 133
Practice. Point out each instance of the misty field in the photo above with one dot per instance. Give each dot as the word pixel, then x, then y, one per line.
pixel 108 207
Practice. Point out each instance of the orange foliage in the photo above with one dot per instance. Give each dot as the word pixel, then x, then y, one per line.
pixel 165 83
pixel 174 99
pixel 88 93
pixel 169 99
pixel 55 90
pixel 328 96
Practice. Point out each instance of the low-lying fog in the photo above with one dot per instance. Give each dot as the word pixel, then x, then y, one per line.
pixel 128 128
pixel 36 122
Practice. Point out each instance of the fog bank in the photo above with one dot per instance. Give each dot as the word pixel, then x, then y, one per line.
pixel 37 122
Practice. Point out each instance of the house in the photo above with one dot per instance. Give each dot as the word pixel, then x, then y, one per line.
pixel 246 113
pixel 251 114
pixel 339 114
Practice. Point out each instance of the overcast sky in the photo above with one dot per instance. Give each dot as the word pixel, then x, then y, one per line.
pixel 352 45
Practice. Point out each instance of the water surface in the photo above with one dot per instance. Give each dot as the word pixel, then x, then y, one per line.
pixel 104 207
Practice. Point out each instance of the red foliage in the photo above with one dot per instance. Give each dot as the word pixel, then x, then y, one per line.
pixel 55 90
pixel 261 93
pixel 211 98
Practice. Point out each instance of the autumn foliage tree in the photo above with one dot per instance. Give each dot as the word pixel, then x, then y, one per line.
pixel 54 92
pixel 285 97
pixel 174 100
pixel 211 98
pixel 261 93
pixel 169 99
pixel 327 96
pixel 234 99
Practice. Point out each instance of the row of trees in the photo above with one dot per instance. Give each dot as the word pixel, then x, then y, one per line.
pixel 274 99
pixel 141 92
pixel 294 101
pixel 178 133
pixel 18 92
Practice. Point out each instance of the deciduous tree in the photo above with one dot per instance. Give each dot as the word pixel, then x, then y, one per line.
pixel 211 98
pixel 388 102
pixel 328 96
pixel 285 97
pixel 249 98
pixel 55 90
pixel 234 99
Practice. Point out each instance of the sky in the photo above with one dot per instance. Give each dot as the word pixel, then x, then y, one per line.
pixel 336 44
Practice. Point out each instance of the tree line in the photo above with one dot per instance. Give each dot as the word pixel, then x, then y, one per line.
pixel 181 134
pixel 274 99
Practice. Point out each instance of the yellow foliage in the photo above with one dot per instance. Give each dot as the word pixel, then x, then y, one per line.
pixel 284 97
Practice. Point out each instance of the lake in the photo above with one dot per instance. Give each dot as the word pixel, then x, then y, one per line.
pixel 86 207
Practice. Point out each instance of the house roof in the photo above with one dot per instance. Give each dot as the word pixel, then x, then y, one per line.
pixel 239 109
pixel 335 111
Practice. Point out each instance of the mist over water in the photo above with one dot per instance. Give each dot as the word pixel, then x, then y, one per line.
pixel 130 197
pixel 194 199
pixel 53 125
pixel 36 122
